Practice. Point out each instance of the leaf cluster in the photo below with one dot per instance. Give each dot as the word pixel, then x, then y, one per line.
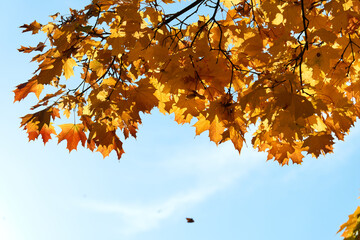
pixel 288 67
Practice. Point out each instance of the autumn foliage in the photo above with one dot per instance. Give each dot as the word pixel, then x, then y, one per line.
pixel 289 68
pixel 352 226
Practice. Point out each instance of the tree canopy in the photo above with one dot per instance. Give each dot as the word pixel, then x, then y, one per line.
pixel 289 68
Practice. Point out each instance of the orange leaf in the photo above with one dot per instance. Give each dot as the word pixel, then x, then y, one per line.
pixel 110 142
pixel 24 89
pixel 34 27
pixel 317 144
pixel 215 131
pixel 33 131
pixel 201 125
pixel 352 226
pixel 39 48
pixel 72 133
pixel 54 16
pixel 236 138
pixel 46 132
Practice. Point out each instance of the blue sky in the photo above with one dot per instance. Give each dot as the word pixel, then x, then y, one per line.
pixel 166 175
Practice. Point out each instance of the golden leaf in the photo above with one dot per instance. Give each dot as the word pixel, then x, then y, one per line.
pixel 72 133
pixel 215 131
pixel 69 64
pixel 24 89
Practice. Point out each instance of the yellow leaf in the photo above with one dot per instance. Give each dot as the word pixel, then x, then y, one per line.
pixel 236 138
pixel 352 226
pixel 201 125
pixel 215 131
pixel 97 67
pixel 69 64
pixel 279 18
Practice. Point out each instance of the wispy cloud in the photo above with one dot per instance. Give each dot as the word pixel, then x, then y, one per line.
pixel 142 217
pixel 210 173
pixel 6 230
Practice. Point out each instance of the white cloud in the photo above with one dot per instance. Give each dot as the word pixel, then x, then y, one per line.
pixel 142 217
pixel 7 232
pixel 211 170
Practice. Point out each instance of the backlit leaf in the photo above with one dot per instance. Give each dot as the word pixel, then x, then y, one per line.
pixel 69 64
pixel 72 133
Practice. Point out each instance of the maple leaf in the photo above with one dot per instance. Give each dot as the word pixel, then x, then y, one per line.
pixel 34 27
pixel 72 133
pixel 352 226
pixel 40 118
pixel 69 64
pixel 237 138
pixel 54 16
pixel 319 143
pixel 106 139
pixel 201 125
pixel 143 96
pixel 50 68
pixel 215 131
pixel 112 143
pixel 40 47
pixel 45 131
pixel 22 90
